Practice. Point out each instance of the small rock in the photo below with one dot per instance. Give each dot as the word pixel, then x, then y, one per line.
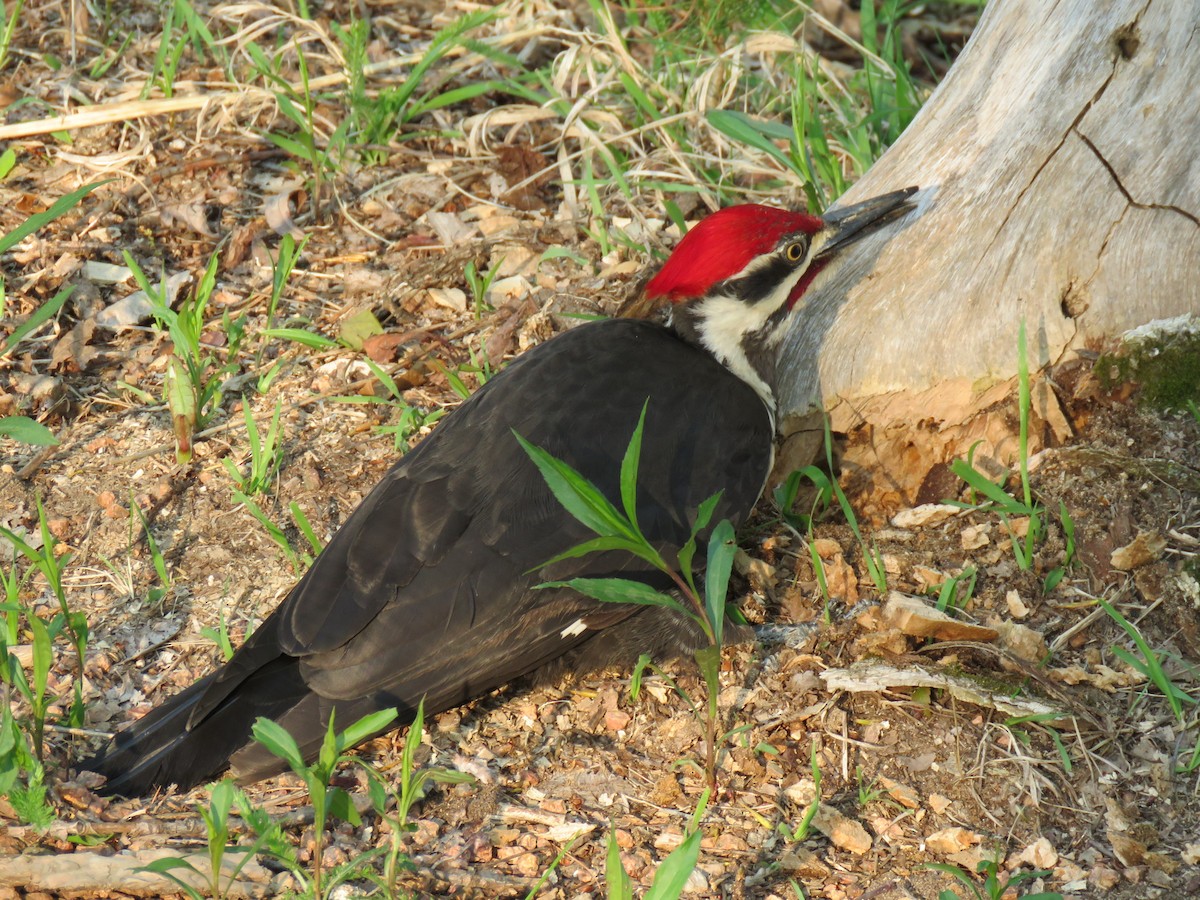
pixel 1145 548
pixel 494 225
pixel 1023 641
pixel 449 298
pixel 802 792
pixel 914 617
pixel 1040 855
pixel 1104 878
pixel 939 803
pixel 1016 606
pixel 952 840
pixel 925 514
pixel 843 832
pixel 526 864
pixel 137 307
pixel 827 548
pixel 975 536
pixel 900 792
pixel 798 861
pixel 507 290
pixel 668 841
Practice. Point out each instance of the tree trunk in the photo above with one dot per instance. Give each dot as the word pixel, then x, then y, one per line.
pixel 1060 186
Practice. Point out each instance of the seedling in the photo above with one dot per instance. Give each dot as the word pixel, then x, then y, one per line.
pixel 413 782
pixel 671 876
pixel 618 530
pixel 216 824
pixel 299 561
pixel 266 455
pixel 160 564
pixel 800 832
pixel 51 565
pixel 1150 664
pixel 994 887
pixel 957 590
pixel 376 116
pixel 480 285
pixel 1006 506
pixel 412 418
pixel 326 800
pixel 193 384
pixel 220 636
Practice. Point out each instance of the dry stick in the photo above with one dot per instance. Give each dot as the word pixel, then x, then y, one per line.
pixel 189 827
pixel 106 113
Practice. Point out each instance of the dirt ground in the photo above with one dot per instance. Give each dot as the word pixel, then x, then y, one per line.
pixel 1035 744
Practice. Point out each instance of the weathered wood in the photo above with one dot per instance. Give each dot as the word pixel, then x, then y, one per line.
pixel 1061 185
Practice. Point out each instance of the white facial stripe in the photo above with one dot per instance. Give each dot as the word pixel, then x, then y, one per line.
pixel 726 320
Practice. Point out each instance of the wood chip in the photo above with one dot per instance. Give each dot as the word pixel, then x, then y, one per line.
pixel 914 616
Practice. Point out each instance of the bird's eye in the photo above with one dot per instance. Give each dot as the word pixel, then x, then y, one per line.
pixel 794 252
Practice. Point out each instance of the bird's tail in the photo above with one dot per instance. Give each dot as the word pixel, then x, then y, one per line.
pixel 191 738
pixel 159 750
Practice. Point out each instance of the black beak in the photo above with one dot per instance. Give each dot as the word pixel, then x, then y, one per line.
pixel 845 226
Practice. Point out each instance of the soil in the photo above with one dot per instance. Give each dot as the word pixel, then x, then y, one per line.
pixel 1101 792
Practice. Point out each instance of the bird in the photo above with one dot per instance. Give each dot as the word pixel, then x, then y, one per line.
pixel 429 591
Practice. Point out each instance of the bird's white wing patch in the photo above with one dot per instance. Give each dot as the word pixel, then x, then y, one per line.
pixel 575 629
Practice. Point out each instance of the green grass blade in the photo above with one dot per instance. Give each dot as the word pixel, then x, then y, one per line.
pixel 40 316
pixel 620 590
pixel 40 220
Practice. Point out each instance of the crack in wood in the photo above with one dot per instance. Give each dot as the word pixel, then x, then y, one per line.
pixel 1192 217
pixel 1073 127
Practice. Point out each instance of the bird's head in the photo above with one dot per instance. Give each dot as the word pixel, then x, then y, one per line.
pixel 736 276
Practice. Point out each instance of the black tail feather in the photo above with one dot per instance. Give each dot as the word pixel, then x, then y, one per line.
pixel 165 747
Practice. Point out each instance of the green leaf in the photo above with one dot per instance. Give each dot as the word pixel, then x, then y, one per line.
pixel 165 866
pixel 629 468
pixel 673 872
pixel 703 514
pixel 40 316
pixel 300 336
pixel 599 545
pixel 368 725
pixel 358 328
pixel 620 590
pixel 27 431
pixel 755 133
pixel 181 400
pixel 619 887
pixel 980 482
pixel 275 738
pixel 578 496
pixel 721 549
pixel 8 159
pixel 295 148
pixel 342 807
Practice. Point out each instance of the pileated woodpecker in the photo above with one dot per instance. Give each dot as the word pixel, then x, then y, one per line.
pixel 428 590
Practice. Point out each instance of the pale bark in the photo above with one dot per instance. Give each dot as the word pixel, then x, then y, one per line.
pixel 1060 186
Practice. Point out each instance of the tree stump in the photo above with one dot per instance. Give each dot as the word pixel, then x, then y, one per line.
pixel 1060 186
